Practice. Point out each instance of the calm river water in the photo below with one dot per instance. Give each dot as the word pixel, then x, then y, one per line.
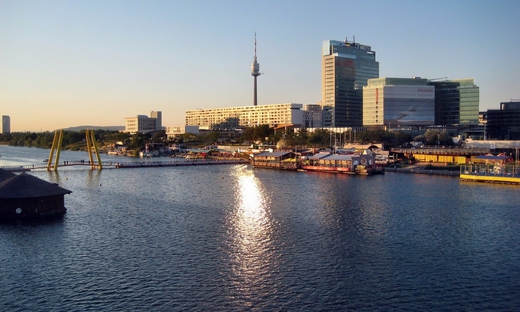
pixel 230 238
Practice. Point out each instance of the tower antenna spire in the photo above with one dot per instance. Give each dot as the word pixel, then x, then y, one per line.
pixel 255 72
pixel 255 46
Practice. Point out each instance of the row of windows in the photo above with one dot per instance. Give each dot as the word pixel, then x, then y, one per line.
pixel 247 108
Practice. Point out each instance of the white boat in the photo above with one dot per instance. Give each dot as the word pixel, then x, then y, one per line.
pixel 149 154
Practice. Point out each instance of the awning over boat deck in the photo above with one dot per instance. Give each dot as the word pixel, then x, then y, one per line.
pixel 319 156
pixel 273 154
pixel 491 157
pixel 340 157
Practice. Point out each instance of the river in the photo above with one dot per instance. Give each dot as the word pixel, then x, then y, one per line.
pixel 233 238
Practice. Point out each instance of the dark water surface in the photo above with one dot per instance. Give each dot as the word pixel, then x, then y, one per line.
pixel 230 238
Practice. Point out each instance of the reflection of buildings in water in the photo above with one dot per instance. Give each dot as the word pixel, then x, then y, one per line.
pixel 93 178
pixel 250 230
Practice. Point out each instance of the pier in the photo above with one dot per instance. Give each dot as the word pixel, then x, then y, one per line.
pixel 130 164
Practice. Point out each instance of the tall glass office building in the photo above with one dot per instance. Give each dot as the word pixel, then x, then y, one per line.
pixel 395 102
pixel 346 67
pixel 6 124
pixel 456 102
pixel 504 123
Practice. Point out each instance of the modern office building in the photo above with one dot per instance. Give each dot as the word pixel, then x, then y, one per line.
pixel 6 124
pixel 246 116
pixel 312 116
pixel 456 102
pixel 143 123
pixel 158 119
pixel 504 123
pixel 346 67
pixel 396 102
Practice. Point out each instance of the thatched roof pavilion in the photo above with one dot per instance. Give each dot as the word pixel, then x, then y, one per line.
pixel 24 195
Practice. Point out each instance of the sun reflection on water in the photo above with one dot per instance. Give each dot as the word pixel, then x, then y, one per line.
pixel 251 251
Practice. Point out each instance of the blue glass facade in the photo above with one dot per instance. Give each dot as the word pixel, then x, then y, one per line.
pixel 456 102
pixel 398 102
pixel 346 67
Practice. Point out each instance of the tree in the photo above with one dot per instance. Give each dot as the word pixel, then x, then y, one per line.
pixel 420 138
pixel 248 134
pixel 159 136
pixel 319 138
pixel 138 140
pixel 363 137
pixel 118 136
pixel 437 137
pixel 211 137
pixel 302 137
pixel 402 137
pixel 261 132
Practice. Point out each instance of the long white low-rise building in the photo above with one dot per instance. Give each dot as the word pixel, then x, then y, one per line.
pixel 246 116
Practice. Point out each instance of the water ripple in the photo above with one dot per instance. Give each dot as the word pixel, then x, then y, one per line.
pixel 230 238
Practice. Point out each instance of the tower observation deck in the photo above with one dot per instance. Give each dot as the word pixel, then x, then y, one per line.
pixel 255 72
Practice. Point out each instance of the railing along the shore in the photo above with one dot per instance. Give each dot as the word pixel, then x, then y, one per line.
pixel 490 170
pixel 133 164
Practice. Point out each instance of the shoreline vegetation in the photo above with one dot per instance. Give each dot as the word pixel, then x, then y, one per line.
pixel 109 140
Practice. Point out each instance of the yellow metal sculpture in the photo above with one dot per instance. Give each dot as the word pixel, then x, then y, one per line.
pixel 56 145
pixel 91 146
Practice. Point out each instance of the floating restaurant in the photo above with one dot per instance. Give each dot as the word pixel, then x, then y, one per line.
pixel 25 196
pixel 275 160
pixel 356 163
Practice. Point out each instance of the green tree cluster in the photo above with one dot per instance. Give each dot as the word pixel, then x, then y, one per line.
pixel 71 139
pixel 435 137
pixel 257 133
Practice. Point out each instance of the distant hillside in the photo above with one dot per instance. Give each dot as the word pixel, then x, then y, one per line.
pixel 111 128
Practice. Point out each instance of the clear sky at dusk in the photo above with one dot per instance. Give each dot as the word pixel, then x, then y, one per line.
pixel 72 63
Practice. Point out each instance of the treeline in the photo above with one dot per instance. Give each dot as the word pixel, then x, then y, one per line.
pixel 44 139
pixel 326 138
pixel 75 140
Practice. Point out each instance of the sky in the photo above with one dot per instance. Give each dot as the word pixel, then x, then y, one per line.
pixel 73 63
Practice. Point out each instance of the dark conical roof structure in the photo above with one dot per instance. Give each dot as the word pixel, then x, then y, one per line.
pixel 27 186
pixel 4 174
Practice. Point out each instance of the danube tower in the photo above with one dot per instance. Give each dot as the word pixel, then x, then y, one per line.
pixel 255 72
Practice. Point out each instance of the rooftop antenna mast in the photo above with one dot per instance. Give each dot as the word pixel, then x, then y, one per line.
pixel 440 78
pixel 255 72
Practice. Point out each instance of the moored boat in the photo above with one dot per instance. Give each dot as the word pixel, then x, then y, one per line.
pixel 358 163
